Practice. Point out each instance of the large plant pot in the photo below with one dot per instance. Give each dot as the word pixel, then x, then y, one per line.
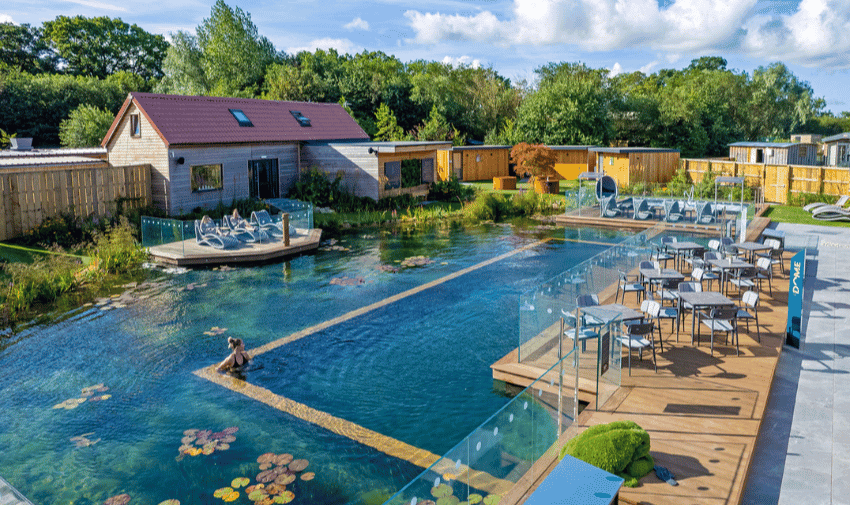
pixel 543 186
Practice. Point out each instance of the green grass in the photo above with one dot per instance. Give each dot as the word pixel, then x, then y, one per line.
pixel 488 186
pixel 798 215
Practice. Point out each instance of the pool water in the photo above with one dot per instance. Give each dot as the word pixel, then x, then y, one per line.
pixel 416 370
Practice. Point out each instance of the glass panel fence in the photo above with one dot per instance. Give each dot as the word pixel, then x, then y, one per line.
pixel 158 231
pixel 504 449
pixel 300 213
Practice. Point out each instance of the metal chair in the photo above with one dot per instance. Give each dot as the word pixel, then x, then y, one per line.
pixel 629 284
pixel 658 254
pixel 764 272
pixel 687 287
pixel 657 312
pixel 744 278
pixel 775 253
pixel 639 336
pixel 720 320
pixel 750 301
pixel 588 325
pixel 700 275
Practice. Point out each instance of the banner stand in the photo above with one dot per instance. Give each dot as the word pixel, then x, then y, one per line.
pixel 796 281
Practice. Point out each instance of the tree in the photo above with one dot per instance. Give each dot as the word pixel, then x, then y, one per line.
pixel 235 56
pixel 101 46
pixel 388 128
pixel 534 159
pixel 85 127
pixel 437 128
pixel 23 49
pixel 779 103
pixel 183 67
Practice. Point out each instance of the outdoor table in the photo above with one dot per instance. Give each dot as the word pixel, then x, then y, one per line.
pixel 727 265
pixel 612 311
pixel 703 300
pixel 682 248
pixel 652 275
pixel 752 248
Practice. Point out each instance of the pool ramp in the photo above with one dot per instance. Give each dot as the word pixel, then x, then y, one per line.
pixel 10 495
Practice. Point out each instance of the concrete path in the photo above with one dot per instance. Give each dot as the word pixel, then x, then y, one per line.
pixel 803 453
pixel 10 495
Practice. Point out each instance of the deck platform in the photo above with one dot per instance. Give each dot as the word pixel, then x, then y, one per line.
pixel 702 411
pixel 190 253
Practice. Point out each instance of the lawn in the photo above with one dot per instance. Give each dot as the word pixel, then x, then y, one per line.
pixel 798 215
pixel 488 186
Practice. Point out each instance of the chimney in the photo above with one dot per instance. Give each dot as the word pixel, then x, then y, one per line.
pixel 21 143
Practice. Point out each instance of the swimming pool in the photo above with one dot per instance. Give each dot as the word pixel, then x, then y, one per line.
pixel 414 370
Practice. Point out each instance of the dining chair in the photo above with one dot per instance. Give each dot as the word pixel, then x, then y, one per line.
pixel 629 284
pixel 721 320
pixel 750 301
pixel 639 336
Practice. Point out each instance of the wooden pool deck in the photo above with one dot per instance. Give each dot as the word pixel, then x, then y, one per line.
pixel 190 253
pixel 702 412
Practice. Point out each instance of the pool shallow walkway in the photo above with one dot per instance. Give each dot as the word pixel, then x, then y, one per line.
pixel 10 495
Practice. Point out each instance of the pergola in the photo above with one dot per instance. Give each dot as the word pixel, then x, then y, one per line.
pixel 733 181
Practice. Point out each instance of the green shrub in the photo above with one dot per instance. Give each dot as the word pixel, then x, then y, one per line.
pixel 117 250
pixel 621 448
pixel 44 280
pixel 680 183
pixel 803 199
pixel 450 191
pixel 488 207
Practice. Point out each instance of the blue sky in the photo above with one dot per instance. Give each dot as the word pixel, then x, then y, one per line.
pixel 812 37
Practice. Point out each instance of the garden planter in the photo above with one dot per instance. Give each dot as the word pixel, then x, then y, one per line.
pixel 543 186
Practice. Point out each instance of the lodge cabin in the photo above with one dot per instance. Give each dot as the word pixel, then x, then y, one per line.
pixel 774 153
pixel 836 150
pixel 572 161
pixel 473 163
pixel 631 165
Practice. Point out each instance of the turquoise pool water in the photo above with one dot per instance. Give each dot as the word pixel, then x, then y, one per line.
pixel 416 370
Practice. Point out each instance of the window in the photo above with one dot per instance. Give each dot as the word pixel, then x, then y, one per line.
pixel 206 178
pixel 135 126
pixel 241 117
pixel 301 118
pixel 392 172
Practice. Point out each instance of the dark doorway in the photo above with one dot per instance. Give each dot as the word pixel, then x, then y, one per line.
pixel 263 181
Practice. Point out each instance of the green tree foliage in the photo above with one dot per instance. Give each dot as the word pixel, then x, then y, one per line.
pixel 235 56
pixel 779 103
pixel 23 49
pixel 387 125
pixel 101 46
pixel 571 106
pixel 435 127
pixel 34 105
pixel 85 127
pixel 183 68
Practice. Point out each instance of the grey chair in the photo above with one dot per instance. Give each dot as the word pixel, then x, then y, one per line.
pixel 744 278
pixel 639 336
pixel 208 234
pixel 764 272
pixel 658 313
pixel 775 253
pixel 642 210
pixel 750 301
pixel 629 284
pixel 609 207
pixel 589 325
pixel 720 320
pixel 705 213
pixel 698 274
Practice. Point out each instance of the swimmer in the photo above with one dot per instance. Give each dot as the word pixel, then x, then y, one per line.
pixel 238 357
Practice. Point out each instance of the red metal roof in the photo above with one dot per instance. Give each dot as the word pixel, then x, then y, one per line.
pixel 207 120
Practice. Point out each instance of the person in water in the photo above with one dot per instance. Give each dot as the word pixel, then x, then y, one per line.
pixel 238 357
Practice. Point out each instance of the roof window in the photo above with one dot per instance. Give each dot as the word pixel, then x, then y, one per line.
pixel 301 118
pixel 241 118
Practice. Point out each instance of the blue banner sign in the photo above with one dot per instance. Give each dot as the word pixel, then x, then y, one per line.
pixel 796 280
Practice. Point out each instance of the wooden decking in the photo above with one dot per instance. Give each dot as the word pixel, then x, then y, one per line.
pixel 703 411
pixel 190 253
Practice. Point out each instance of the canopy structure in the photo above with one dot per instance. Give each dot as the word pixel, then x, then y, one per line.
pixel 606 186
pixel 586 176
pixel 733 181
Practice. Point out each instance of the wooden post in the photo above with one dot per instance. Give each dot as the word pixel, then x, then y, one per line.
pixel 285 221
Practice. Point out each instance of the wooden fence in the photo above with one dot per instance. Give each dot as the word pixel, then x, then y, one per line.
pixel 776 181
pixel 30 195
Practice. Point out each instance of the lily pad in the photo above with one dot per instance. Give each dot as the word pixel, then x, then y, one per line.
pixel 474 499
pixel 187 440
pixel 448 500
pixel 449 476
pixel 275 488
pixel 298 465
pixel 232 496
pixel 265 466
pixel 250 489
pixel 283 459
pixel 257 494
pixel 266 476
pixel 119 499
pixel 492 499
pixel 285 479
pixel 308 476
pixel 191 433
pixel 267 500
pixel 194 451
pixel 184 448
pixel 222 447
pixel 231 430
pixel 222 491
pixel 284 497
pixel 208 449
pixel 170 502
pixel 266 458
pixel 441 491
pixel 228 439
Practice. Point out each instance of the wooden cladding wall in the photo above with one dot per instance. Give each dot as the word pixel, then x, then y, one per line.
pixel 777 181
pixel 29 197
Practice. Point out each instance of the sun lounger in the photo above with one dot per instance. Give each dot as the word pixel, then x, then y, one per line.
pixel 672 211
pixel 208 234
pixel 243 230
pixel 609 207
pixel 263 220
pixel 831 213
pixel 642 210
pixel 817 205
pixel 705 213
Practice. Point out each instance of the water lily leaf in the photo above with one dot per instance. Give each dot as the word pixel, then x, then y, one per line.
pixel 275 488
pixel 266 458
pixel 441 491
pixel 298 465
pixel 232 496
pixel 187 440
pixel 283 459
pixel 268 500
pixel 474 499
pixel 449 476
pixel 266 476
pixel 184 448
pixel 222 491
pixel 285 479
pixel 208 449
pixel 265 466
pixel 231 430
pixel 191 433
pixel 195 451
pixel 170 502
pixel 222 447
pixel 228 439
pixel 308 476
pixel 492 499
pixel 285 497
pixel 120 499
pixel 257 494
pixel 250 489
pixel 448 500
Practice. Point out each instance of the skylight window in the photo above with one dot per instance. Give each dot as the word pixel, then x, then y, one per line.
pixel 241 118
pixel 301 118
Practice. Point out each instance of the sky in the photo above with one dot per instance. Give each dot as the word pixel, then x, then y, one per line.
pixel 514 37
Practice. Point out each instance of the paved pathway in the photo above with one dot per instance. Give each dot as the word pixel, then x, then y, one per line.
pixel 803 454
pixel 10 496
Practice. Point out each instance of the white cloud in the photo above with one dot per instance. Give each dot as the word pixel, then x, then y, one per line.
pixel 816 33
pixel 617 69
pixel 647 69
pixel 98 5
pixel 5 18
pixel 357 24
pixel 341 45
pixel 462 60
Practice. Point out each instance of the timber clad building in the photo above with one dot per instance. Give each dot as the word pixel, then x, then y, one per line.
pixel 206 150
pixel 774 153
